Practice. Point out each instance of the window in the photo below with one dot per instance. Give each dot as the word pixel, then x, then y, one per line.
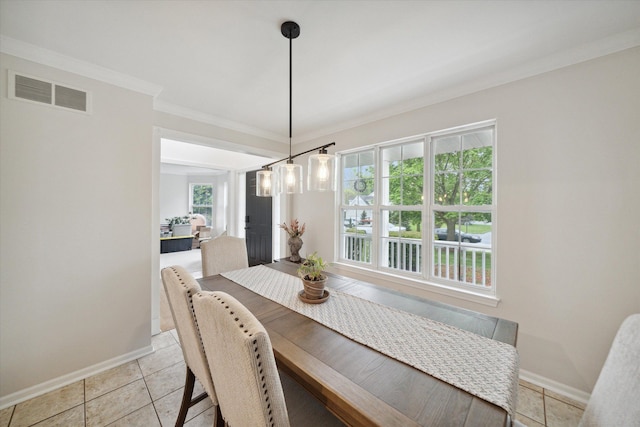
pixel 402 175
pixel 389 192
pixel 201 200
pixel 356 212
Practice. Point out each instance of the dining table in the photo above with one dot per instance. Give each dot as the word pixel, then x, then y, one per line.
pixel 361 385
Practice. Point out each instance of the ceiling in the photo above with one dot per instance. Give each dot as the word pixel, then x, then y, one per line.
pixel 226 62
pixel 178 158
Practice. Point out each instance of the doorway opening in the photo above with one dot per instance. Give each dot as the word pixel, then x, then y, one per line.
pixel 181 162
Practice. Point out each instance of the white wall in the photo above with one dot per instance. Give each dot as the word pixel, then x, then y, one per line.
pixel 567 241
pixel 174 196
pixel 75 234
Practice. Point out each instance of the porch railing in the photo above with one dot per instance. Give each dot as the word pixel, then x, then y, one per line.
pixel 469 263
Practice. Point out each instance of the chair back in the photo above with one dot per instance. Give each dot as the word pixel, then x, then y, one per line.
pixel 222 254
pixel 615 400
pixel 180 286
pixel 197 220
pixel 245 372
pixel 204 232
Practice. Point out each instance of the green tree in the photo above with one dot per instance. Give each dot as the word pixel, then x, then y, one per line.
pixel 202 195
pixel 462 178
pixel 406 188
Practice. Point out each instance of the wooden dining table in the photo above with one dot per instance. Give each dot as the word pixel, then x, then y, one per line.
pixel 362 386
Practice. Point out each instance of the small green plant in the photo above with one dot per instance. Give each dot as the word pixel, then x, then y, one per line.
pixel 312 268
pixel 177 220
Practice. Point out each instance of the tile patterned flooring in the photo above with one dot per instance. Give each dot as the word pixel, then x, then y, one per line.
pixel 539 407
pixel 147 393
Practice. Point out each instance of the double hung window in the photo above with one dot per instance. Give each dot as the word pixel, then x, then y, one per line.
pixel 201 200
pixel 423 208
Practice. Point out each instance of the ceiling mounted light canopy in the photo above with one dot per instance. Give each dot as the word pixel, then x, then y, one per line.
pixel 321 169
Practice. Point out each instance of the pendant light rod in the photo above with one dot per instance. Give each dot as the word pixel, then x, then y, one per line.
pixel 290 30
pixel 290 93
pixel 322 147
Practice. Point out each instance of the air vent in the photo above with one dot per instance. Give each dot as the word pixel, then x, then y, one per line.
pixel 71 98
pixel 33 89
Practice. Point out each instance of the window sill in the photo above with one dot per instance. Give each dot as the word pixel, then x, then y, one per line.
pixel 412 286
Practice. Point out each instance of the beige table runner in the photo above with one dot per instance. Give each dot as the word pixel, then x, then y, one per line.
pixel 480 366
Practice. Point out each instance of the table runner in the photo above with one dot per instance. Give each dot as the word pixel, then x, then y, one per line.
pixel 478 365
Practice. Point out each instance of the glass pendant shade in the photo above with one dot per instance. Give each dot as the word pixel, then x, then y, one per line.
pixel 290 179
pixel 322 173
pixel 266 181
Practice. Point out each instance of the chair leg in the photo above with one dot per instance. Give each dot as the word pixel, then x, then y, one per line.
pixel 218 421
pixel 188 401
pixel 189 383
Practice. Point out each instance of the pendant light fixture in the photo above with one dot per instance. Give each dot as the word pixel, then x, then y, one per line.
pixel 321 171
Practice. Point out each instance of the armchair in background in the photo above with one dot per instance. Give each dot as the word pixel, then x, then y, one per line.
pixel 202 234
pixel 197 220
pixel 199 229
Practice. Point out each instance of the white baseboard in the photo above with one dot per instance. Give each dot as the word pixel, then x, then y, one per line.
pixel 47 386
pixel 563 389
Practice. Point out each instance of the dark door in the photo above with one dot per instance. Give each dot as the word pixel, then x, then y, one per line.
pixel 257 224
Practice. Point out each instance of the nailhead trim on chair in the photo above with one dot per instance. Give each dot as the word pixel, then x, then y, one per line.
pixel 190 302
pixel 259 362
pixel 185 282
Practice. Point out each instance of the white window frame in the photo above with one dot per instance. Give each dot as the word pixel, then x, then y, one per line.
pixel 423 279
pixel 192 206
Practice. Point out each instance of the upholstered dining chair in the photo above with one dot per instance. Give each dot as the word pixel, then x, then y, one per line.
pixel 615 400
pixel 250 389
pixel 180 287
pixel 222 254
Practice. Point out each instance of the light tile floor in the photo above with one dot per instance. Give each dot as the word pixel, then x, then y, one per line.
pixel 147 392
pixel 541 407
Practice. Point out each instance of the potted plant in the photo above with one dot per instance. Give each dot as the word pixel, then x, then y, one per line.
pixel 180 225
pixel 311 272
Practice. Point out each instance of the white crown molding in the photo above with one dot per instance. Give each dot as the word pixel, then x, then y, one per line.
pixel 606 46
pixel 602 47
pixel 11 46
pixel 176 110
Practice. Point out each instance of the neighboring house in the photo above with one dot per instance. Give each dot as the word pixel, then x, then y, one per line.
pixel 354 217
